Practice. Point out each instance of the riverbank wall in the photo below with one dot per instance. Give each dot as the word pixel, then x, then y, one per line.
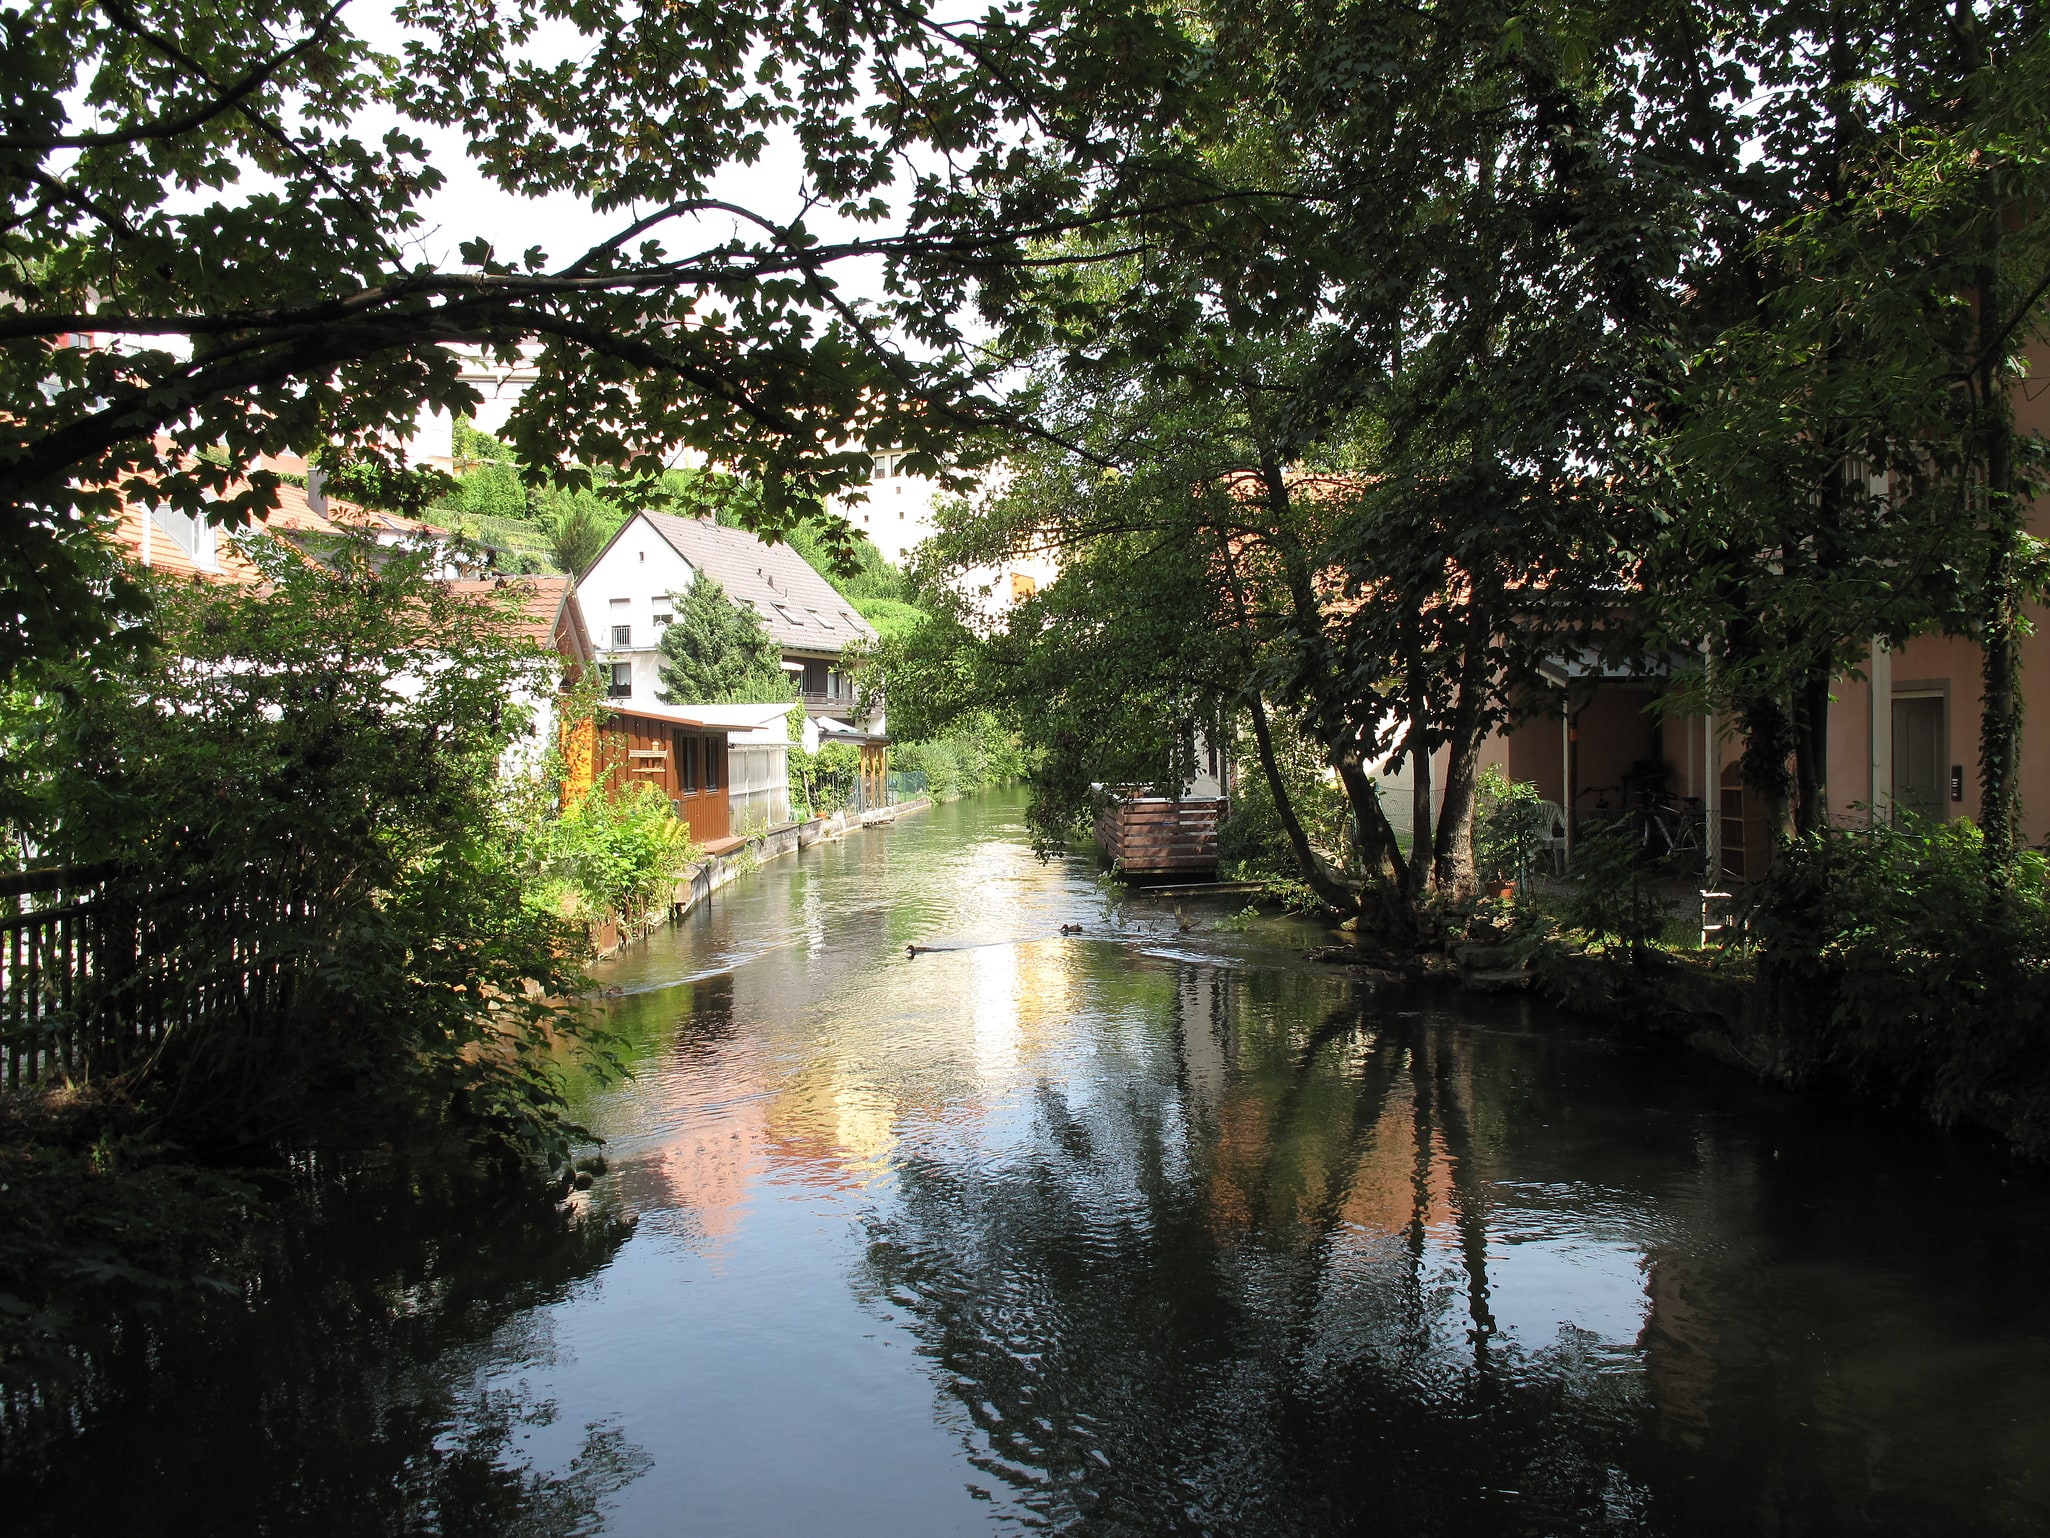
pixel 1751 1018
pixel 727 860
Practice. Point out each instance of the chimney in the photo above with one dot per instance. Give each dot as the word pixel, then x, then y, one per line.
pixel 316 490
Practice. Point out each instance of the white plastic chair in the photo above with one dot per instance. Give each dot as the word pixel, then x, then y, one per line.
pixel 1551 834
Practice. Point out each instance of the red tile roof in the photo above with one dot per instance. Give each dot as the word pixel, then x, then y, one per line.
pixel 549 611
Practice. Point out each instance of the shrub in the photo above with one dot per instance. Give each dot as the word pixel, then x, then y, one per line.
pixel 306 776
pixel 1611 901
pixel 620 854
pixel 1920 975
pixel 1510 827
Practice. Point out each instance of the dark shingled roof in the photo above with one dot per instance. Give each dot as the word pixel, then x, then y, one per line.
pixel 803 611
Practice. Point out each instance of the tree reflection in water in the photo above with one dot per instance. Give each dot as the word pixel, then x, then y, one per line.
pixel 1253 1302
pixel 363 1387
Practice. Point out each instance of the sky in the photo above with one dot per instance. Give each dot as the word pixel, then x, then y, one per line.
pixel 470 204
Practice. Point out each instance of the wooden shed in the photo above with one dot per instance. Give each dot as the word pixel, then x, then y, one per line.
pixel 1158 836
pixel 679 754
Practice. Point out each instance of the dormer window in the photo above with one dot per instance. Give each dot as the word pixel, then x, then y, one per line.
pixel 189 532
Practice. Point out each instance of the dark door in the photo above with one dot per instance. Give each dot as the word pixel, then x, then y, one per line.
pixel 1919 755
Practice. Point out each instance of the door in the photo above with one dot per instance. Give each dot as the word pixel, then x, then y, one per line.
pixel 1920 750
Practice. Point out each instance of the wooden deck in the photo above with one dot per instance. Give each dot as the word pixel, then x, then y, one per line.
pixel 1152 836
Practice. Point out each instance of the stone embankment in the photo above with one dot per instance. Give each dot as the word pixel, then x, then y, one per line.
pixel 728 859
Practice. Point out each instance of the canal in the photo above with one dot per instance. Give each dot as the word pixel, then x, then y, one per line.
pixel 1157 1228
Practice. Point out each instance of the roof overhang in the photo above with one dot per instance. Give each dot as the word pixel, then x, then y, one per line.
pixel 1585 666
pixel 696 716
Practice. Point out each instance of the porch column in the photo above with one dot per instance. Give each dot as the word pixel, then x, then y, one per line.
pixel 1711 807
pixel 1880 672
pixel 1566 766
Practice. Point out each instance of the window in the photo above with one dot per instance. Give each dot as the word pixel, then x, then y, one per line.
pixel 619 605
pixel 822 622
pixel 815 678
pixel 622 635
pixel 715 762
pixel 621 684
pixel 687 763
pixel 788 617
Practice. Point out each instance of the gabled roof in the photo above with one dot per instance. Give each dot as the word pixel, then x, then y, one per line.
pixel 800 607
pixel 549 611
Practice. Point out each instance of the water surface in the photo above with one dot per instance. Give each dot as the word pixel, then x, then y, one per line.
pixel 1154 1229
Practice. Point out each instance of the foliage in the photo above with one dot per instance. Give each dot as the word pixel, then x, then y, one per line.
pixel 227 197
pixel 715 649
pixel 407 490
pixel 1922 979
pixel 977 755
pixel 1613 896
pixel 307 773
pixel 824 781
pixel 621 854
pixel 893 618
pixel 1252 844
pixel 1511 831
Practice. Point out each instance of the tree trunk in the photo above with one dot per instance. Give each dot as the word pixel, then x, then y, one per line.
pixel 2000 720
pixel 1452 842
pixel 1384 903
pixel 1421 821
pixel 1811 752
pixel 1768 740
pixel 1322 880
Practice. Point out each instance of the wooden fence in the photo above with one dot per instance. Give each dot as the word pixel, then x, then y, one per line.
pixel 50 961
pixel 95 974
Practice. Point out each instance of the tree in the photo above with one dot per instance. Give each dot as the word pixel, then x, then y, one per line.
pixel 305 775
pixel 715 649
pixel 205 249
pixel 1360 428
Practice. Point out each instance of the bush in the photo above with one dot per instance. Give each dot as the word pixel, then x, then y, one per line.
pixel 1251 843
pixel 1611 900
pixel 1510 827
pixel 619 854
pixel 304 781
pixel 1923 976
pixel 977 755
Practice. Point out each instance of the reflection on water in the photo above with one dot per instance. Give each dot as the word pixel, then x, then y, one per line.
pixel 1141 1232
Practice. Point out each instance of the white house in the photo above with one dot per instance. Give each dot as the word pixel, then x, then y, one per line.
pixel 629 597
pixel 898 513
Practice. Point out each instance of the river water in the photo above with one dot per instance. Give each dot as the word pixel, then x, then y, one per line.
pixel 1154 1229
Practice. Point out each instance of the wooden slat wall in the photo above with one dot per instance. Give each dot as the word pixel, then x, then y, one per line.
pixel 1161 838
pixel 640 749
